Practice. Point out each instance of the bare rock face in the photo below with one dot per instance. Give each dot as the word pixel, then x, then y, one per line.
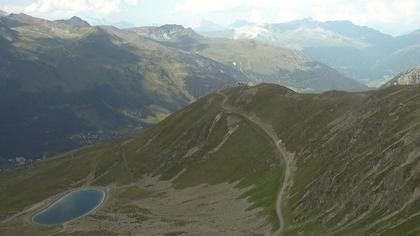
pixel 165 32
pixel 409 77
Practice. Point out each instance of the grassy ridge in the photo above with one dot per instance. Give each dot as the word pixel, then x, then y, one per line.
pixel 356 157
pixel 355 168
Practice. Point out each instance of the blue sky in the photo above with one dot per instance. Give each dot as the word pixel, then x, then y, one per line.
pixel 390 16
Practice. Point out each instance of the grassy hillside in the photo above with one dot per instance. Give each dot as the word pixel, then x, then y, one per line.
pixel 199 145
pixel 354 169
pixel 355 160
pixel 66 83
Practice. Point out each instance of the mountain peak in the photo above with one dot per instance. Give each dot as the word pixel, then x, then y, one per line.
pixel 172 28
pixel 75 21
pixel 308 20
pixel 164 32
pixel 76 18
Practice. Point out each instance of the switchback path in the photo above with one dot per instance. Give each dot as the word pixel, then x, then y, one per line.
pixel 283 154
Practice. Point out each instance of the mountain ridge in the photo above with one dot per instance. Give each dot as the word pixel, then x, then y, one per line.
pixel 165 32
pixel 75 21
pixel 354 162
pixel 100 80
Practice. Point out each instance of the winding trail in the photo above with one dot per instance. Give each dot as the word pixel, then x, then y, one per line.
pixel 283 155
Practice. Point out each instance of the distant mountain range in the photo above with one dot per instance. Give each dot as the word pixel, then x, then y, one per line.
pixel 359 52
pixel 260 62
pixel 66 83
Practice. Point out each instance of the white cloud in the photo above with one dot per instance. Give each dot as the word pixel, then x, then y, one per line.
pixel 393 16
pixel 285 16
pixel 64 8
pixel 257 18
pixel 11 8
pixel 206 6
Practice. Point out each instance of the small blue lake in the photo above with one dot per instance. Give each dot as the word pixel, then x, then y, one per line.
pixel 70 207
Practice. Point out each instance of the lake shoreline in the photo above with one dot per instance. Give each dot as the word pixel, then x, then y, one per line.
pixel 103 190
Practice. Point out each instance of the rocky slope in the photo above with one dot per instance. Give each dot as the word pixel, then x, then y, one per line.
pixel 65 83
pixel 165 32
pixel 260 62
pixel 244 161
pixel 409 77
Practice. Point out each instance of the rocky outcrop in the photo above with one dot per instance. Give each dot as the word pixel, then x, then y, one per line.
pixel 409 77
pixel 165 32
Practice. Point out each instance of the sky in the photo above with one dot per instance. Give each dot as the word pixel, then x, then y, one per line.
pixel 394 17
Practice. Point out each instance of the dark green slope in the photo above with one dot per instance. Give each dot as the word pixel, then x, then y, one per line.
pixel 356 159
pixel 354 171
pixel 66 83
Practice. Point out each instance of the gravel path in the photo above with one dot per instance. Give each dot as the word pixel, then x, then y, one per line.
pixel 283 154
